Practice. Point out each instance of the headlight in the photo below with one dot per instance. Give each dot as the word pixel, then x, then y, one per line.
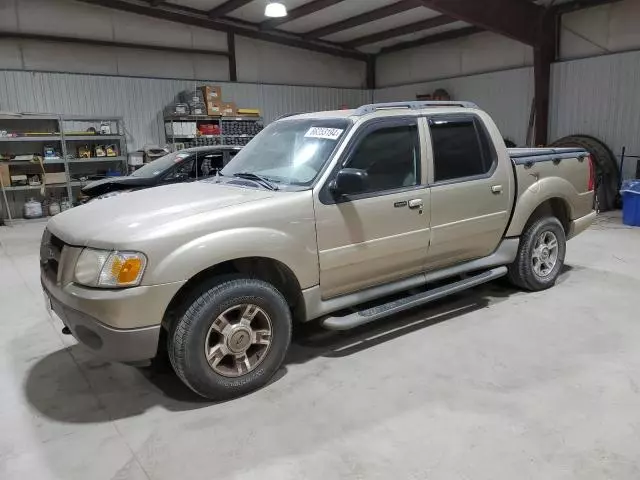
pixel 102 268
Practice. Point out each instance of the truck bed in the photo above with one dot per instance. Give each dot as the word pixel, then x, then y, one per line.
pixel 522 156
pixel 544 173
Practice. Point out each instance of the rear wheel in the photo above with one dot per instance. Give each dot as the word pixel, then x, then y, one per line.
pixel 232 339
pixel 540 255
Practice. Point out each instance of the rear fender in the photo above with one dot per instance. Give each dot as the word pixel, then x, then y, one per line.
pixel 538 193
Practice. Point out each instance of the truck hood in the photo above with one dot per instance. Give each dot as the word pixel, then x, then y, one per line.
pixel 116 220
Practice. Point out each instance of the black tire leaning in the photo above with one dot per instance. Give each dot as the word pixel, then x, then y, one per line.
pixel 187 337
pixel 606 165
pixel 521 271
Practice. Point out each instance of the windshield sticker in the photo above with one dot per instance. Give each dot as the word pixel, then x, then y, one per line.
pixel 321 132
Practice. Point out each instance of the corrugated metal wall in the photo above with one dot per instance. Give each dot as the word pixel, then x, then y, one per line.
pixel 599 96
pixel 140 101
pixel 595 96
pixel 506 95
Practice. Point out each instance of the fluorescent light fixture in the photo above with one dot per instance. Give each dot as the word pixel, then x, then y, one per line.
pixel 275 10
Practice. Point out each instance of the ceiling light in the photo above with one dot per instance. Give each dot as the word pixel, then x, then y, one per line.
pixel 275 10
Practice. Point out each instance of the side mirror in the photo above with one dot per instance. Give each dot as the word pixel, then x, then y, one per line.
pixel 350 181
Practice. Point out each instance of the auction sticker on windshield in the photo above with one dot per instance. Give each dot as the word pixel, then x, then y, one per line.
pixel 322 132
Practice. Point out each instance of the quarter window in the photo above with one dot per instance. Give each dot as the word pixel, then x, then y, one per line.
pixel 390 156
pixel 461 148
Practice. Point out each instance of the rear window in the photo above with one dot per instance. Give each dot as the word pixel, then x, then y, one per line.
pixel 461 148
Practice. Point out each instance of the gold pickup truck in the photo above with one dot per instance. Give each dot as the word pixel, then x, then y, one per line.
pixel 343 217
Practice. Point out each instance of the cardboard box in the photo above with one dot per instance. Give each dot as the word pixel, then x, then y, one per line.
pixel 19 180
pixel 4 174
pixel 229 109
pixel 52 178
pixel 212 94
pixel 214 109
pixel 212 98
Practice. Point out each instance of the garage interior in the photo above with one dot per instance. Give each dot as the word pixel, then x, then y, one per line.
pixel 490 383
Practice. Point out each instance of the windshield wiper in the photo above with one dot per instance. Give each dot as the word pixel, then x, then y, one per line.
pixel 266 183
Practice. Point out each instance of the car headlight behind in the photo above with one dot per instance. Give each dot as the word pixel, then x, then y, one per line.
pixel 102 268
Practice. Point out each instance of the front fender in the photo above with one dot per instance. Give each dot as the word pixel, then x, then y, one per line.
pixel 221 246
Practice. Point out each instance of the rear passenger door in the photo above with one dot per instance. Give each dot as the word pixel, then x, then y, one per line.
pixel 471 190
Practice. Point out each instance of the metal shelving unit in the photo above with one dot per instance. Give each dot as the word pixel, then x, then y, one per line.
pixel 34 138
pixel 64 137
pixel 174 139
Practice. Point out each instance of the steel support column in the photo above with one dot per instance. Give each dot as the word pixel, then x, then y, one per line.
pixel 544 54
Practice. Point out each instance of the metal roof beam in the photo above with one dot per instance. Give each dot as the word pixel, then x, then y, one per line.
pixel 400 31
pixel 301 11
pixel 438 37
pixel 227 7
pixel 364 18
pixel 201 19
pixel 108 43
pixel 580 5
pixel 516 19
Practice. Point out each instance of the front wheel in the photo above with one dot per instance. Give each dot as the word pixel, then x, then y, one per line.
pixel 232 339
pixel 540 255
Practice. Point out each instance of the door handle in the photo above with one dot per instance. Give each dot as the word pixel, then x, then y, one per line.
pixel 415 203
pixel 497 189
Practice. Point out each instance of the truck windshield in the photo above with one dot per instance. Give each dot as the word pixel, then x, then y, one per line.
pixel 290 151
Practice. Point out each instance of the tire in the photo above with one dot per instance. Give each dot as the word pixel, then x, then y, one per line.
pixel 605 163
pixel 522 272
pixel 200 323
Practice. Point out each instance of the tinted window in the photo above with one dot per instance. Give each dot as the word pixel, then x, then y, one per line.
pixel 460 148
pixel 184 171
pixel 390 156
pixel 210 164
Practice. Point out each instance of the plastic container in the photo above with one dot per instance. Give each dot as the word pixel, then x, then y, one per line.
pixel 631 203
pixel 32 209
pixel 197 107
pixel 54 208
pixel 189 96
pixel 136 159
pixel 177 109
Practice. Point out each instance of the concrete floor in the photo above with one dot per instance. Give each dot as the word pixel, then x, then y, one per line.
pixel 494 384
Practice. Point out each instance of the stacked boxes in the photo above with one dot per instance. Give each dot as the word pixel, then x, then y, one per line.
pixel 212 99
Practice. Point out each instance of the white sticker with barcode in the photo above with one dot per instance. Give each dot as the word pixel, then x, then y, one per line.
pixel 321 132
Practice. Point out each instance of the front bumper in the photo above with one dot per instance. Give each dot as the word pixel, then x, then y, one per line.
pixel 121 325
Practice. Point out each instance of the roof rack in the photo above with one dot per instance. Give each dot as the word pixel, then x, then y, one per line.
pixel 287 115
pixel 363 110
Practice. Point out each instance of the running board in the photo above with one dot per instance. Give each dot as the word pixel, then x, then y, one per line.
pixel 395 306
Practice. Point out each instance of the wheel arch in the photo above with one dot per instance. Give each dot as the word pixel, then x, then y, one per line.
pixel 557 207
pixel 267 269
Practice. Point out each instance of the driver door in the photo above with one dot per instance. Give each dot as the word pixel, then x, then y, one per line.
pixel 382 234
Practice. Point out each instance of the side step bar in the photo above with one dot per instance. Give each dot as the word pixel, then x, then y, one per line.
pixel 395 306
